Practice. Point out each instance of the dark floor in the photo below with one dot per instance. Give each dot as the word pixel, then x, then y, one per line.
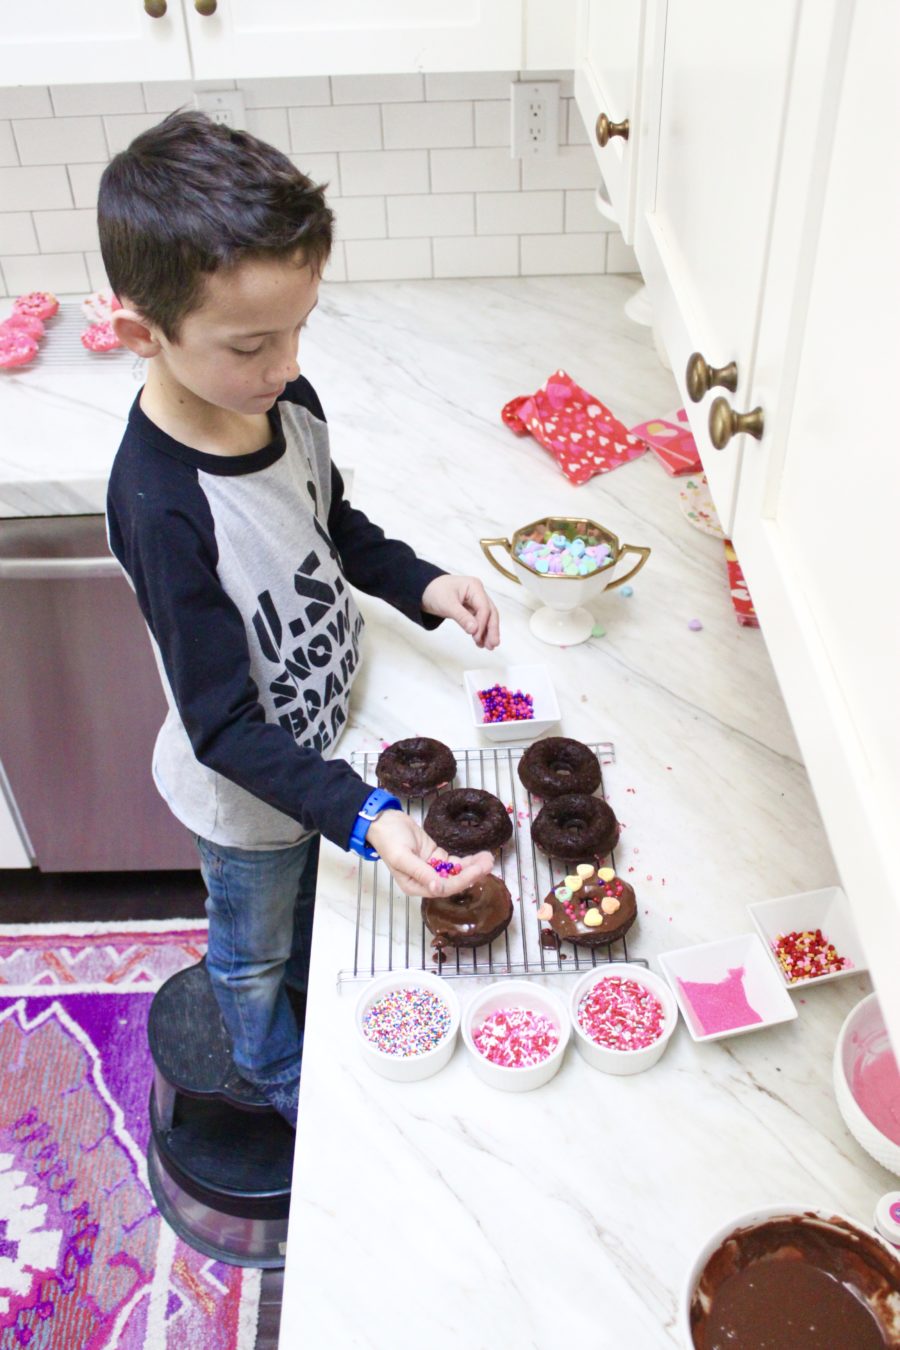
pixel 90 897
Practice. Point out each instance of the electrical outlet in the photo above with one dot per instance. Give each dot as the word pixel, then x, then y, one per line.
pixel 223 105
pixel 535 118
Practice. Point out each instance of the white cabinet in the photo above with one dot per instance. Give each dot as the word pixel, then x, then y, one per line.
pixel 59 42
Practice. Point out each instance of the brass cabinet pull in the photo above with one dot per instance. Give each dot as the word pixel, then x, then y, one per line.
pixel 607 129
pixel 701 377
pixel 205 7
pixel 724 423
pixel 155 8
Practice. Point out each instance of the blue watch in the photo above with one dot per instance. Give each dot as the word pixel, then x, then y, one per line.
pixel 375 803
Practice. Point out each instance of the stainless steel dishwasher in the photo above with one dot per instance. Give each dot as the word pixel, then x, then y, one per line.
pixel 81 703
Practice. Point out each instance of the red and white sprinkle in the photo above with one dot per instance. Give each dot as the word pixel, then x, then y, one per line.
pixel 621 1014
pixel 517 1038
pixel 407 1022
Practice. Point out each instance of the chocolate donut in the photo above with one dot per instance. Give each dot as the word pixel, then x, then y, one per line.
pixel 612 902
pixel 415 766
pixel 575 826
pixel 559 765
pixel 471 918
pixel 466 820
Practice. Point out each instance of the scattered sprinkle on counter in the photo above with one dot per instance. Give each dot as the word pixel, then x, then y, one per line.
pixel 407 1022
pixel 808 954
pixel 695 625
pixel 516 1038
pixel 621 1014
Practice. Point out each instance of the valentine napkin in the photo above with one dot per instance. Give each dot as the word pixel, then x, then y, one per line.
pixel 671 441
pixel 579 431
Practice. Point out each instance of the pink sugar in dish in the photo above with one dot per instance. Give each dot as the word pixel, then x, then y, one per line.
pixel 720 1006
pixel 516 1038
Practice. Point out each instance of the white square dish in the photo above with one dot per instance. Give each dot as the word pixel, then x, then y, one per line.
pixel 533 680
pixel 828 910
pixel 716 964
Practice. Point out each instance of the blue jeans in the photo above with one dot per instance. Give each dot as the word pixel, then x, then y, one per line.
pixel 260 908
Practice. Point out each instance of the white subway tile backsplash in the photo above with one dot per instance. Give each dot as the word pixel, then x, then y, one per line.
pixel 17 233
pixel 388 259
pixel 385 171
pixel 474 84
pixel 336 267
pixel 64 231
pixel 58 272
pixel 322 169
pixel 561 254
pixel 34 189
pixel 519 212
pixel 473 171
pixel 270 124
pixel 121 131
pixel 355 127
pixel 573 167
pixel 59 140
pixel 97 278
pixel 377 88
pixel 620 257
pixel 303 91
pixel 414 126
pixel 8 152
pixel 576 130
pixel 431 213
pixel 85 180
pixel 82 100
pixel 493 125
pixel 359 217
pixel 478 257
pixel 26 101
pixel 582 216
pixel 164 96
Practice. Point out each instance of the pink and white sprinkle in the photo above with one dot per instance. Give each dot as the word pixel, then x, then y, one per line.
pixel 407 1022
pixel 621 1014
pixel 516 1038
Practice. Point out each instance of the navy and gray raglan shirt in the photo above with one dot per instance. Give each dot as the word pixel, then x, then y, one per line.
pixel 241 568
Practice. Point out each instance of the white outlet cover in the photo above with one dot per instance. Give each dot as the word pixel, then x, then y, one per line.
pixel 223 105
pixel 534 107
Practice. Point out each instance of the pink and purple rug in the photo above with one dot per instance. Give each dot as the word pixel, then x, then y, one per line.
pixel 86 1262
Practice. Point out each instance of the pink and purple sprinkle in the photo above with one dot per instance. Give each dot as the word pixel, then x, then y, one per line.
pixel 621 1014
pixel 516 1038
pixel 444 867
pixel 506 705
pixel 407 1022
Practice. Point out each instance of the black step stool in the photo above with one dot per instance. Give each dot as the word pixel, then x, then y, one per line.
pixel 220 1158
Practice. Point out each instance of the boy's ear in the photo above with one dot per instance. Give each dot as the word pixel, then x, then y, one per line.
pixel 134 332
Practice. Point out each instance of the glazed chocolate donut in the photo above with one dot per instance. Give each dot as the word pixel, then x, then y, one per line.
pixel 466 820
pixel 610 907
pixel 471 918
pixel 415 766
pixel 575 826
pixel 559 765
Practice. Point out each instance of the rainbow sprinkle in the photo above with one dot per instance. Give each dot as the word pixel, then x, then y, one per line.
pixel 407 1022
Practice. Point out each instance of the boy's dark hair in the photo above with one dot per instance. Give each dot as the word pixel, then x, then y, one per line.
pixel 189 197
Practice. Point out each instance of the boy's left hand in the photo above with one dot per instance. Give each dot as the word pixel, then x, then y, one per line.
pixel 465 600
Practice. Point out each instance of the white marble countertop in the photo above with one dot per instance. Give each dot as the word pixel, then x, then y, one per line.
pixel 445 1213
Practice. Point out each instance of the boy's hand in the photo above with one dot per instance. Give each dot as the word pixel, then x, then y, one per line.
pixel 405 848
pixel 465 600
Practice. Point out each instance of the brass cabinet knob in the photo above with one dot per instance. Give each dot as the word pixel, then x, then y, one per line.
pixel 205 7
pixel 606 130
pixel 724 423
pixel 701 377
pixel 155 8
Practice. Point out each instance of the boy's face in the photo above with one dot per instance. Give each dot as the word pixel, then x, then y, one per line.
pixel 239 348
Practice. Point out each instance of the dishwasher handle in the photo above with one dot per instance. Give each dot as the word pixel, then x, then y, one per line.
pixel 57 569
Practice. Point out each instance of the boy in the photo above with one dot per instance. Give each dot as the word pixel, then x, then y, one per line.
pixel 230 521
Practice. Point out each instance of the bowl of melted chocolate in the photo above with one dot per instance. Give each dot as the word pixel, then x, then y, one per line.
pixel 792 1279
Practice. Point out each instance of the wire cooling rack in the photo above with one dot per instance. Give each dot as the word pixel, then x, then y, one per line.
pixel 390 934
pixel 61 346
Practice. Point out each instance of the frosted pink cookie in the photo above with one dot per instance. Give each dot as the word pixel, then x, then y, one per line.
pixel 16 348
pixel 100 337
pixel 26 323
pixel 40 304
pixel 99 305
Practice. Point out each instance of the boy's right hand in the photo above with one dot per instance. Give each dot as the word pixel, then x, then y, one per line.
pixel 405 849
